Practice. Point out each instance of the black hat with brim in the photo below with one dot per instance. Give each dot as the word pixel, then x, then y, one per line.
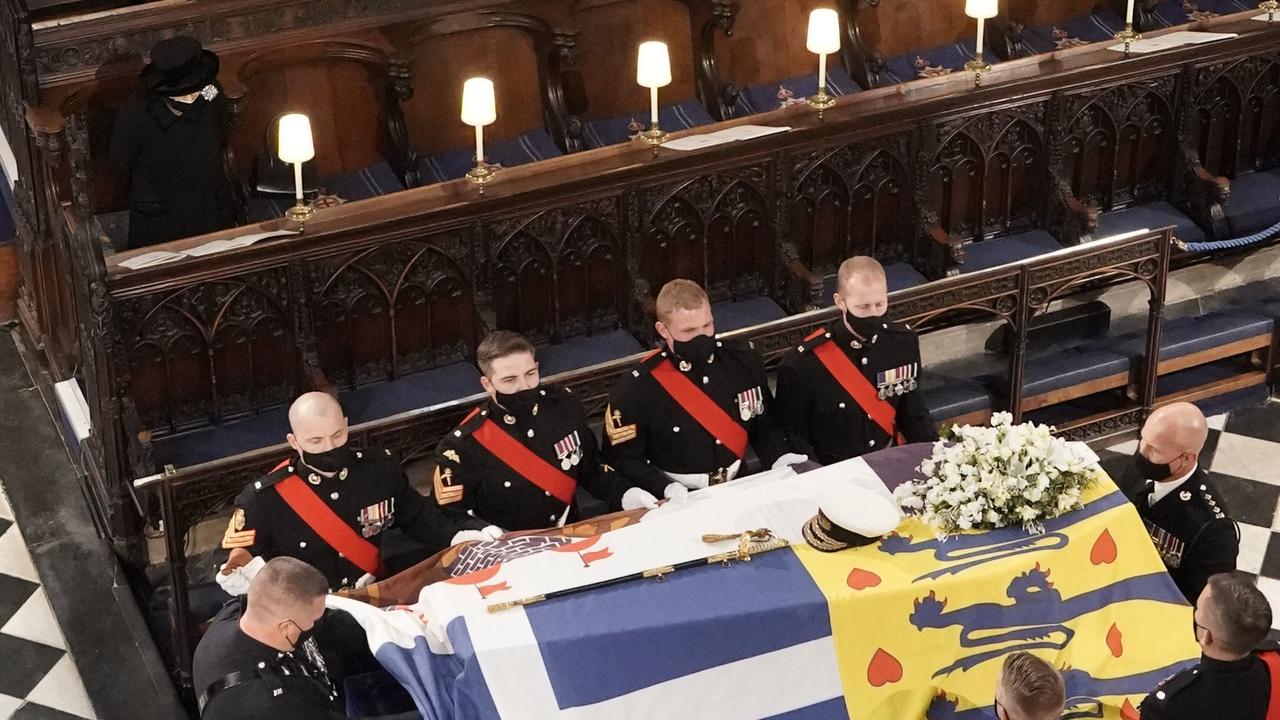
pixel 179 66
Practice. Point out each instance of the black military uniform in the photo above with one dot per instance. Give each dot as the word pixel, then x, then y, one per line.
pixel 239 678
pixel 1218 689
pixel 470 479
pixel 1191 531
pixel 370 496
pixel 824 422
pixel 648 434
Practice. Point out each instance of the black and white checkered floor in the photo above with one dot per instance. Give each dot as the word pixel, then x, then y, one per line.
pixel 1242 457
pixel 38 678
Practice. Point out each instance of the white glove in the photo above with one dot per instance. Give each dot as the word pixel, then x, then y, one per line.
pixel 236 582
pixel 365 580
pixel 493 532
pixel 466 536
pixel 636 498
pixel 675 491
pixel 789 459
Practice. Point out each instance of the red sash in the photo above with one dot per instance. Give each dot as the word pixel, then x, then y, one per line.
pixel 320 517
pixel 701 408
pixel 858 387
pixel 525 462
pixel 1272 659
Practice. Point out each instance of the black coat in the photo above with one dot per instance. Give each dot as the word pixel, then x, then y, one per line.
pixel 471 481
pixel 1192 532
pixel 372 498
pixel 821 418
pixel 1217 689
pixel 173 167
pixel 647 432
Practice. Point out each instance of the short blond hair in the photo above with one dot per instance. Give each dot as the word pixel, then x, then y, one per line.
pixel 859 267
pixel 680 294
pixel 1033 686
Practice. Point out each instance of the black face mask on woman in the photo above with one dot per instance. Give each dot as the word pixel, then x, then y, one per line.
pixel 520 402
pixel 697 349
pixel 329 461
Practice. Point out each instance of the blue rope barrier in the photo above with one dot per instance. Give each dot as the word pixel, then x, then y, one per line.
pixel 1203 247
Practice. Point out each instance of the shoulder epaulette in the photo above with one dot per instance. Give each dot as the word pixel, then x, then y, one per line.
pixel 279 473
pixel 813 340
pixel 1175 683
pixel 471 422
pixel 736 345
pixel 1209 501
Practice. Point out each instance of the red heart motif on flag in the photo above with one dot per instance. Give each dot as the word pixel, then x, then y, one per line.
pixel 1104 549
pixel 1115 641
pixel 1128 711
pixel 884 669
pixel 860 579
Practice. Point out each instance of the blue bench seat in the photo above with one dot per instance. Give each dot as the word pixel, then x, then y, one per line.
pixel 733 315
pixel 1151 216
pixel 1071 33
pixel 1187 336
pixel 453 164
pixel 941 60
pixel 793 91
pixel 614 130
pixel 1064 374
pixel 1181 12
pixel 986 254
pixel 949 397
pixel 585 351
pixel 1254 203
pixel 372 181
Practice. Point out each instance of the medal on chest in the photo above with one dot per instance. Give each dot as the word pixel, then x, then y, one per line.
pixel 377 517
pixel 897 381
pixel 569 451
pixel 750 403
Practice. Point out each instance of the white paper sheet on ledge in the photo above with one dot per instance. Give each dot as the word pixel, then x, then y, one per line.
pixel 1171 40
pixel 160 257
pixel 720 137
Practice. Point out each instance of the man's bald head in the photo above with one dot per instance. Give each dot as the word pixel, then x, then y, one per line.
pixel 317 423
pixel 1174 434
pixel 861 288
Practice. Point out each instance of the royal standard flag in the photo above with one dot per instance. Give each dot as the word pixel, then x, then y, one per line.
pixel 909 627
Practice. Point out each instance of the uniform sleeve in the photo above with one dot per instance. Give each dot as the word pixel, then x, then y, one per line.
pixel 599 479
pixel 793 405
pixel 767 437
pixel 423 521
pixel 246 529
pixel 914 421
pixel 1215 551
pixel 624 442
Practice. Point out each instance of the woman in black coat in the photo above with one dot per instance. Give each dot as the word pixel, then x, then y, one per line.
pixel 167 146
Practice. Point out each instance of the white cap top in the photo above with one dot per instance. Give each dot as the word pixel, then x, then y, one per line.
pixel 860 510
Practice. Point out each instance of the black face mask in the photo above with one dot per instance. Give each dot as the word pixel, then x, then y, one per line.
pixel 864 327
pixel 330 461
pixel 1149 470
pixel 520 402
pixel 697 349
pixel 304 635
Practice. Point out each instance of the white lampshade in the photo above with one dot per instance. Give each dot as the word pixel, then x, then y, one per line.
pixel 653 65
pixel 984 9
pixel 824 31
pixel 294 135
pixel 478 105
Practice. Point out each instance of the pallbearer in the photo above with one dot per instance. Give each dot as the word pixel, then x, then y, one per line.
pixel 516 460
pixel 853 387
pixel 684 417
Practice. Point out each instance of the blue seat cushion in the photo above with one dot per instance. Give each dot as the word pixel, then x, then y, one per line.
pixel 933 62
pixel 1181 12
pixel 586 351
pixel 368 402
pixel 949 397
pixel 1070 366
pixel 985 254
pixel 614 130
pixel 377 179
pixel 793 91
pixel 1072 33
pixel 1152 216
pixel 1254 203
pixel 1192 334
pixel 453 164
pixel 735 315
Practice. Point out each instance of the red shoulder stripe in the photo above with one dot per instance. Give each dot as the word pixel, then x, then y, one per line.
pixel 283 463
pixel 816 334
pixel 474 411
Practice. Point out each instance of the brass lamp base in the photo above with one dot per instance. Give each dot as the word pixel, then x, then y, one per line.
pixel 977 67
pixel 653 136
pixel 300 213
pixel 482 174
pixel 821 100
pixel 1128 36
pixel 1270 7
